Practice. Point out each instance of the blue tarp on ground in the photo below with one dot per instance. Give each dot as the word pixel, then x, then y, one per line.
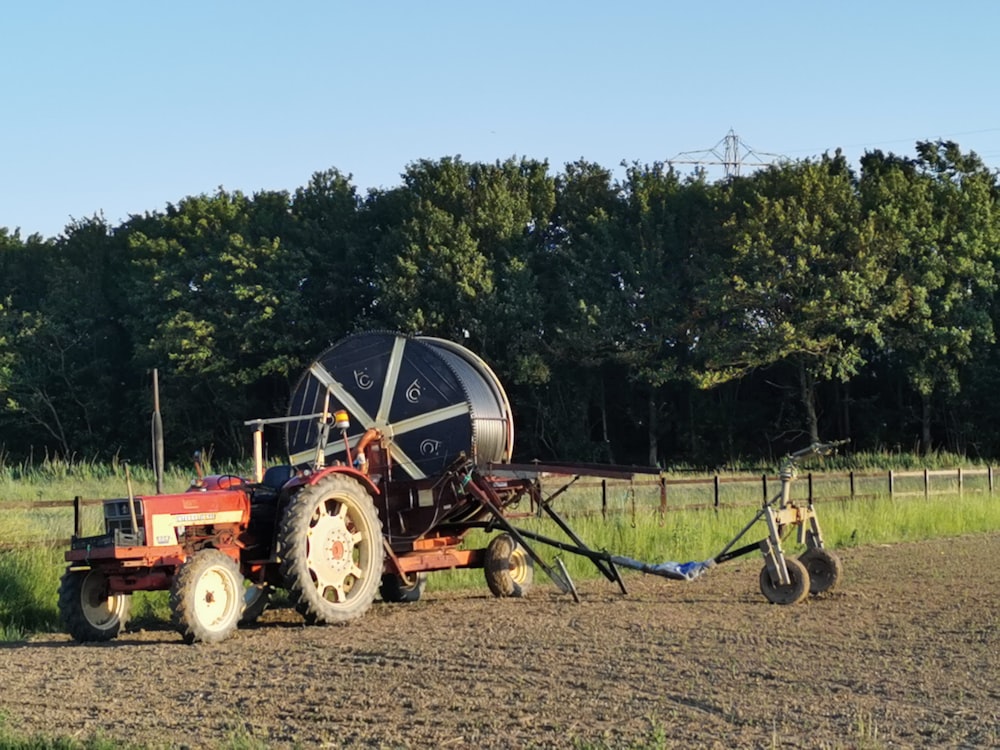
pixel 678 571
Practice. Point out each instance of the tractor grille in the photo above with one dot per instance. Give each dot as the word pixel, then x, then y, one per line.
pixel 114 538
pixel 118 524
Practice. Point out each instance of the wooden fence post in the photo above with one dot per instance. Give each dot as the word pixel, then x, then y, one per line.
pixel 892 484
pixel 604 499
pixel 763 479
pixel 850 475
pixel 810 477
pixel 716 490
pixel 663 499
pixel 927 484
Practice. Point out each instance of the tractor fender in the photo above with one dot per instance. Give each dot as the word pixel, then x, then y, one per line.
pixel 348 470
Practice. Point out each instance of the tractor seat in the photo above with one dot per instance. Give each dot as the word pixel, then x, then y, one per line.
pixel 276 476
pixel 266 493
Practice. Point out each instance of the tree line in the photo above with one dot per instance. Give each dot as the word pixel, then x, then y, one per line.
pixel 652 318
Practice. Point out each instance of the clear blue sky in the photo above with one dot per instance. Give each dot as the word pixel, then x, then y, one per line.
pixel 124 107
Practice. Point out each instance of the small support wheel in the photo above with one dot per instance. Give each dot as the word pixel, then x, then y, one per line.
pixel 509 568
pixel 89 611
pixel 402 588
pixel 256 597
pixel 824 569
pixel 794 592
pixel 206 597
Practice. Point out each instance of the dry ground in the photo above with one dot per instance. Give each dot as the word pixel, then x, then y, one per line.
pixel 905 653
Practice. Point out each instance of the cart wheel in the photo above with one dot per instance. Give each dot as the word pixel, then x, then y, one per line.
pixel 509 568
pixel 824 569
pixel 794 592
pixel 401 589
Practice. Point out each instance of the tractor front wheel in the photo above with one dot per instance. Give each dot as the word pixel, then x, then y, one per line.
pixel 89 611
pixel 509 568
pixel 332 554
pixel 206 597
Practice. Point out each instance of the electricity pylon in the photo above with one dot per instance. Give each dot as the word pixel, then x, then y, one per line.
pixel 733 155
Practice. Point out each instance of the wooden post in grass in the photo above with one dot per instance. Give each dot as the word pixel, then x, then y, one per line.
pixel 77 517
pixel 157 430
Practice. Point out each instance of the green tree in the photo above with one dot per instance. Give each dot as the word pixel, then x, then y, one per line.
pixel 936 224
pixel 579 270
pixel 456 255
pixel 671 242
pixel 215 305
pixel 800 285
pixel 445 236
pixel 67 383
pixel 327 242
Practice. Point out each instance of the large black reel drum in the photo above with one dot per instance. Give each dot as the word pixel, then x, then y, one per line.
pixel 432 400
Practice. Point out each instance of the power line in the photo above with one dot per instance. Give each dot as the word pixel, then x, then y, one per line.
pixel 911 141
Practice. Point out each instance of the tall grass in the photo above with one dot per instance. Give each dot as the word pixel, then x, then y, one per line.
pixel 842 460
pixel 60 479
pixel 29 580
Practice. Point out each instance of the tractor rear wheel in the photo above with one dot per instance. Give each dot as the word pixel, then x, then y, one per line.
pixel 824 569
pixel 206 597
pixel 88 610
pixel 509 568
pixel 794 592
pixel 401 589
pixel 332 555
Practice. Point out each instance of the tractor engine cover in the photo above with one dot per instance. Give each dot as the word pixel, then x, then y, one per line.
pixel 432 399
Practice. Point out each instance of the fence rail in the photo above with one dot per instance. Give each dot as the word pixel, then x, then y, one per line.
pixel 889 483
pixel 847 485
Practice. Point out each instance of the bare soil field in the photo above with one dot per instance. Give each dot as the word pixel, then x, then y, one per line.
pixel 904 653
